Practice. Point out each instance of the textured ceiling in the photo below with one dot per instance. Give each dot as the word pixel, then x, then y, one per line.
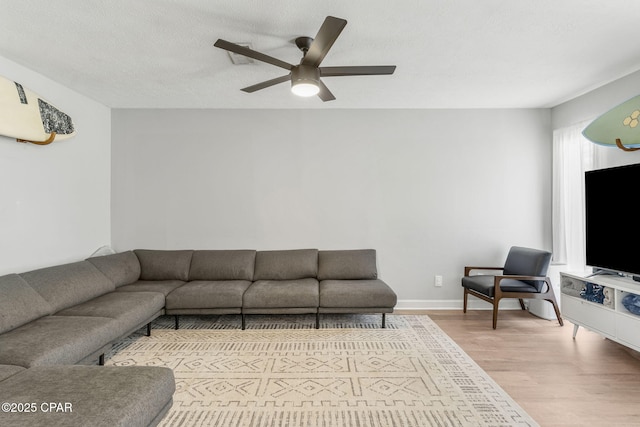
pixel 449 53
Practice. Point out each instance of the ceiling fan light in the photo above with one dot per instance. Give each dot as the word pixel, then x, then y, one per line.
pixel 305 89
pixel 305 80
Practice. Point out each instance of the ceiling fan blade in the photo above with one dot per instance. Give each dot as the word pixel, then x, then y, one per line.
pixel 266 84
pixel 326 37
pixel 223 44
pixel 370 70
pixel 325 94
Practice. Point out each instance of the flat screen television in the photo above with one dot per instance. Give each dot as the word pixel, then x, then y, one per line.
pixel 611 229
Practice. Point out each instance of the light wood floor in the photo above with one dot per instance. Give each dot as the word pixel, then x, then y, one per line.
pixel 589 381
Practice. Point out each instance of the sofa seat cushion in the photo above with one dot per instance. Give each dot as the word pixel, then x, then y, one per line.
pixel 7 371
pixel 121 268
pixel 164 265
pixel 56 340
pixel 162 286
pixel 356 294
pixel 66 285
pixel 208 294
pixel 19 303
pixel 352 264
pixel 282 294
pixel 484 285
pixel 130 309
pixel 286 265
pixel 131 396
pixel 222 265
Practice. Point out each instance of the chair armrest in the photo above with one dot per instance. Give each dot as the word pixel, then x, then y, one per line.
pixel 468 269
pixel 498 279
pixel 520 277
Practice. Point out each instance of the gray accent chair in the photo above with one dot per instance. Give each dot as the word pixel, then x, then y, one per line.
pixel 524 276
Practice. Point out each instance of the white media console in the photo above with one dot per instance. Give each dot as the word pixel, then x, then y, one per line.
pixel 610 319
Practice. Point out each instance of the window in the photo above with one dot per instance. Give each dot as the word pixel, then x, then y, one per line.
pixel 573 154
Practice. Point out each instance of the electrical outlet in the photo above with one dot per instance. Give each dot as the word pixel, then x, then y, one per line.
pixel 437 282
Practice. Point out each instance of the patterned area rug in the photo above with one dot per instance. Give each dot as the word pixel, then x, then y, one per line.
pixel 281 371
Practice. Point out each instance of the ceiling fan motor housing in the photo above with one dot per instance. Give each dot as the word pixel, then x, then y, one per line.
pixel 305 78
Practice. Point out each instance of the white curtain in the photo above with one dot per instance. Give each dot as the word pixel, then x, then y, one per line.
pixel 573 154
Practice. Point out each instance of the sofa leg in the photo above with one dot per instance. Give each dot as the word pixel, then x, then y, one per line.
pixel 149 329
pixel 384 320
pixel 177 321
pixel 317 320
pixel 243 322
pixel 101 360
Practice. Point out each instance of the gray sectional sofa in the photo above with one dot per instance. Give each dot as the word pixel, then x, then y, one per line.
pixel 55 319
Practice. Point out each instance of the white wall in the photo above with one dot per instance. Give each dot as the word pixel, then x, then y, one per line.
pixel 54 199
pixel 431 190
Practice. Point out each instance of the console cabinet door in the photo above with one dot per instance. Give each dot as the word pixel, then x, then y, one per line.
pixel 590 315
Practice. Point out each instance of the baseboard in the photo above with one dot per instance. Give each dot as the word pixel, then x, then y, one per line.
pixel 475 304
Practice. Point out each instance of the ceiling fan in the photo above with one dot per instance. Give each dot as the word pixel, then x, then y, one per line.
pixel 305 77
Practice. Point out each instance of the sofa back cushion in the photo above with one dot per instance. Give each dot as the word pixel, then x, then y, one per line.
pixel 67 285
pixel 222 265
pixel 164 265
pixel 357 264
pixel 286 265
pixel 19 303
pixel 121 268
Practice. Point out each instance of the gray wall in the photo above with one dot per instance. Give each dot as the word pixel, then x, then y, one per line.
pixel 431 190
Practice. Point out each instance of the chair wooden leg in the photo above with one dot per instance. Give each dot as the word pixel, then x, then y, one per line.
pixel 101 360
pixel 149 329
pixel 558 315
pixel 177 322
pixel 552 299
pixel 384 320
pixel 522 303
pixel 550 296
pixel 464 301
pixel 495 313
